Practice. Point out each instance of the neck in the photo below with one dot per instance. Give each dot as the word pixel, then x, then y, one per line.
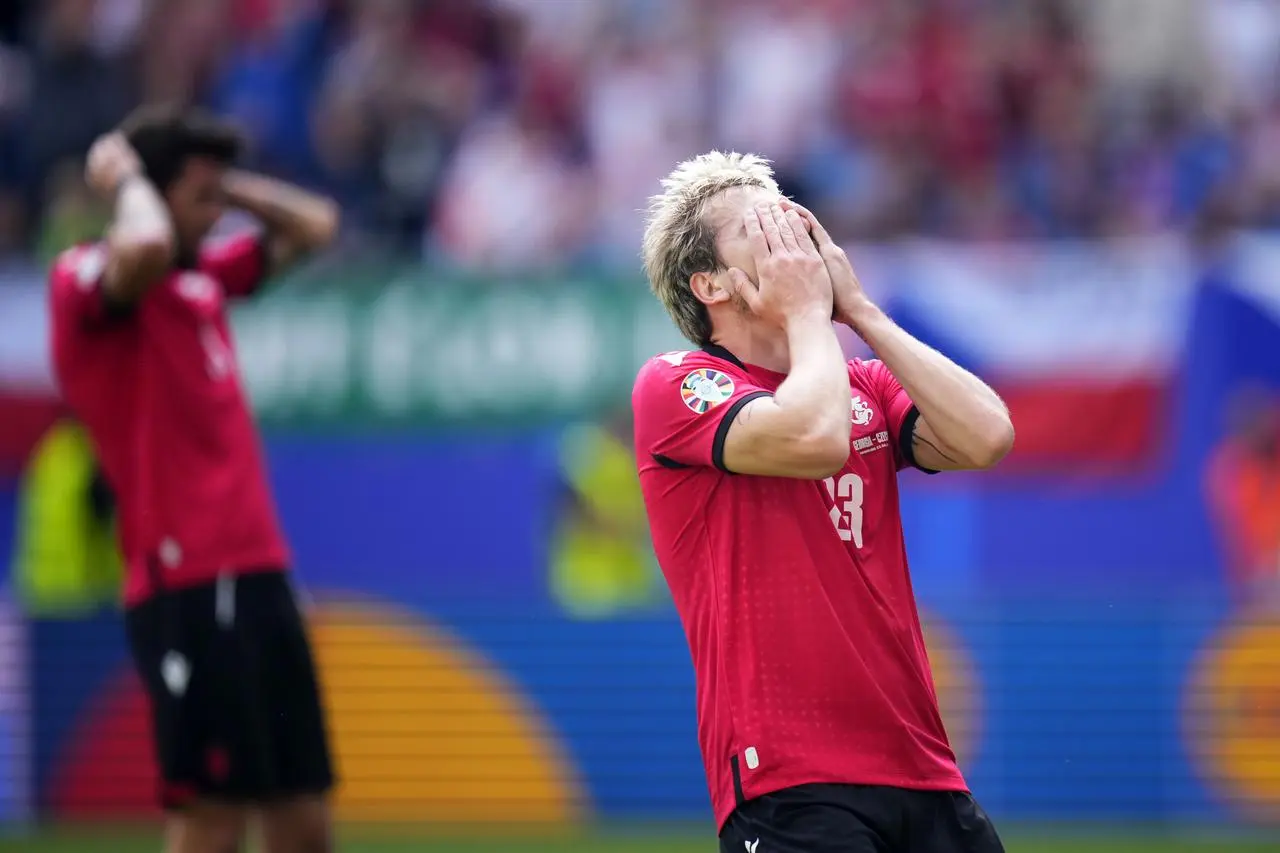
pixel 186 258
pixel 755 344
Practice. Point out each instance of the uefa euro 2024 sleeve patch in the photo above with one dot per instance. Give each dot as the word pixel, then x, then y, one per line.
pixel 705 389
pixel 90 264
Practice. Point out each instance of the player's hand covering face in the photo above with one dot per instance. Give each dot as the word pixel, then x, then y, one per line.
pixel 793 282
pixel 849 297
pixel 727 217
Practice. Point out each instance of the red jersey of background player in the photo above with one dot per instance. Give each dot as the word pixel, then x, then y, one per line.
pixel 158 390
pixel 794 594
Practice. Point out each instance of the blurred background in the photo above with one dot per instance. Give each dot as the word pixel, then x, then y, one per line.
pixel 1079 200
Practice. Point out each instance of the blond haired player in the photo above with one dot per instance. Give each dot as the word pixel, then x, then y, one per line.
pixel 769 468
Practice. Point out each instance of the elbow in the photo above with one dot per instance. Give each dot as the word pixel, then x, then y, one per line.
pixel 327 221
pixel 996 443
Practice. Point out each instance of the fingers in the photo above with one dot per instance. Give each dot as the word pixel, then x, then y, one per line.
pixel 108 144
pixel 801 228
pixel 820 235
pixel 785 232
pixel 769 225
pixel 756 238
pixel 785 226
pixel 805 216
pixel 113 145
pixel 744 287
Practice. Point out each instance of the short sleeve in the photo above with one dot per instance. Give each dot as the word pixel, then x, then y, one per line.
pixel 684 404
pixel 76 297
pixel 239 263
pixel 900 412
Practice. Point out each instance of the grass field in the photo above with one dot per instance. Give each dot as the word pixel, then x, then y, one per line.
pixel 648 840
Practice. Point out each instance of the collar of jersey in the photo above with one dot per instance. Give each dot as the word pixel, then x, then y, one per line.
pixel 717 351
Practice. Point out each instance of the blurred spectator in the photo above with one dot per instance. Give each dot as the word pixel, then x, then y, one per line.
pixel 1243 39
pixel 77 90
pixel 516 195
pixel 1244 496
pixel 401 88
pixel 504 133
pixel 14 83
pixel 656 70
pixel 269 77
pixel 184 42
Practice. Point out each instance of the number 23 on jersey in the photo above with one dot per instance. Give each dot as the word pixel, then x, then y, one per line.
pixel 220 359
pixel 846 492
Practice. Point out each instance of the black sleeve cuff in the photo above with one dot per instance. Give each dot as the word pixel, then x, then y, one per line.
pixel 115 309
pixel 906 444
pixel 726 421
pixel 103 311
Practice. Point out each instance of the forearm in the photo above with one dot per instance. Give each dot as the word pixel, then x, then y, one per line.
pixel 962 411
pixel 140 214
pixel 140 241
pixel 816 392
pixel 307 220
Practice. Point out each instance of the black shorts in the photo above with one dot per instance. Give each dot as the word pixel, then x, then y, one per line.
pixel 860 819
pixel 235 702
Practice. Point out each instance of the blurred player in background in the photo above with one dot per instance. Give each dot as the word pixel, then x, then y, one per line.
pixel 1243 493
pixel 769 469
pixel 143 353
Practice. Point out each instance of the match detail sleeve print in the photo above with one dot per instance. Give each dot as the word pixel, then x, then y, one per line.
pixel 684 404
pixel 900 412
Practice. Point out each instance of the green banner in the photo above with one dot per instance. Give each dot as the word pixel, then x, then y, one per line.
pixel 455 353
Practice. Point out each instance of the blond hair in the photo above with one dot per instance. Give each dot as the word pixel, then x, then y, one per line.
pixel 678 241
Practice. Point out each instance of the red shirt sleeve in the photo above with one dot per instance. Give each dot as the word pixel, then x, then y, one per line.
pixel 684 403
pixel 239 263
pixel 76 298
pixel 899 411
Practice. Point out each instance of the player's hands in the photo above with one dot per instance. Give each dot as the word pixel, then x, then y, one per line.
pixel 794 284
pixel 111 162
pixel 851 301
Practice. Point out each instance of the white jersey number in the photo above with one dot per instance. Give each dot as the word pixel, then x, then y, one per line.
pixel 220 361
pixel 846 515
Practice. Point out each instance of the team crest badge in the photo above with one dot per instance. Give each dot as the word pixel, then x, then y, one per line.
pixel 705 389
pixel 862 413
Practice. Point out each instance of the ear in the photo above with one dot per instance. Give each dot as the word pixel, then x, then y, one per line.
pixel 709 288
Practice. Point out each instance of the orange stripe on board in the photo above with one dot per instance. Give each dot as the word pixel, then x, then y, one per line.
pixel 423 729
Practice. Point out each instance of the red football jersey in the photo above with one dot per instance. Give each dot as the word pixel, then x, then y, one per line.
pixel 158 390
pixel 794 594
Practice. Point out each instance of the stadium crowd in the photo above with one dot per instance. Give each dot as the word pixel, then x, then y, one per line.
pixel 527 133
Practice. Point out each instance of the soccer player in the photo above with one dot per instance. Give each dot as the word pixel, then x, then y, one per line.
pixel 769 469
pixel 143 353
